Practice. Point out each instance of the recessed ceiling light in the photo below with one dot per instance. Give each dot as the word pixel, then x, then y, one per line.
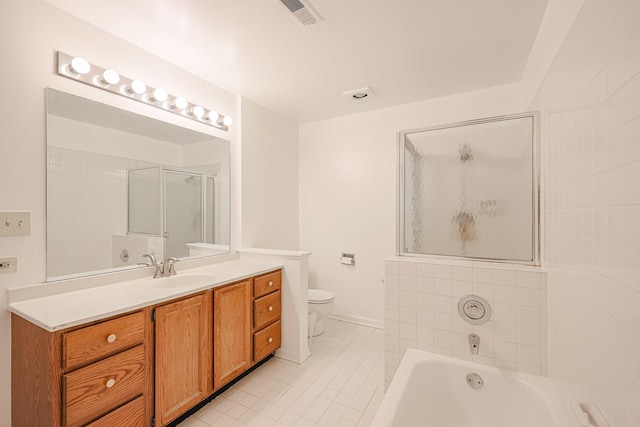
pixel 359 94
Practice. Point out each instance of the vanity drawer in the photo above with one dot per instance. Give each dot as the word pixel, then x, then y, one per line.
pixel 102 386
pixel 266 284
pixel 266 310
pixel 266 341
pixel 130 415
pixel 97 341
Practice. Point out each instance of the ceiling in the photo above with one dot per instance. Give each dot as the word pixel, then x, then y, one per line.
pixel 406 51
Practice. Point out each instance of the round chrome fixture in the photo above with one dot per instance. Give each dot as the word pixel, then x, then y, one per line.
pixel 474 309
pixel 475 381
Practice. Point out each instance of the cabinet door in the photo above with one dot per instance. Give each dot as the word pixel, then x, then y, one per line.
pixel 231 332
pixel 183 356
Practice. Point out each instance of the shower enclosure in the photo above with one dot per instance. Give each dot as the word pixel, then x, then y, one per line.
pixel 173 203
pixel 470 189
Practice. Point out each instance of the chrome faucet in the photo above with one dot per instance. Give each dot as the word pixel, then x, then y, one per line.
pixel 167 267
pixel 474 343
pixel 152 259
pixel 153 262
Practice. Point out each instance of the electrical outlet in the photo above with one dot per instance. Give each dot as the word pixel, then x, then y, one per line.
pixel 9 264
pixel 15 223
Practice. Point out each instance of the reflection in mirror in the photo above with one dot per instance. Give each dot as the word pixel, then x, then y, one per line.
pixel 120 185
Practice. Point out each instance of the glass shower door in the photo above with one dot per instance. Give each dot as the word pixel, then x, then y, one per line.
pixel 470 190
pixel 183 212
pixel 144 201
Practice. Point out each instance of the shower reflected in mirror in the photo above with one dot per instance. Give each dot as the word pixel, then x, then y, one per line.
pixel 121 183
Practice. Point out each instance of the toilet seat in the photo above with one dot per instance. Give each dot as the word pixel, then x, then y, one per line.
pixel 320 296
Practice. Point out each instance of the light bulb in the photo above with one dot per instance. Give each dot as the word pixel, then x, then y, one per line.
pixel 213 116
pixel 180 103
pixel 110 77
pixel 159 95
pixel 227 121
pixel 79 65
pixel 197 111
pixel 138 87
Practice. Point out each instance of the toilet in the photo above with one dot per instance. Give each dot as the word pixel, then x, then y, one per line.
pixel 321 303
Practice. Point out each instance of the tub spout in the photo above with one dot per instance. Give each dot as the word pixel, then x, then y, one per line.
pixel 474 343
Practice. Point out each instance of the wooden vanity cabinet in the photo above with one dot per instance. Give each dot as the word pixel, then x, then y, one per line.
pixel 182 355
pixel 231 331
pixel 89 375
pixel 153 364
pixel 267 335
pixel 246 325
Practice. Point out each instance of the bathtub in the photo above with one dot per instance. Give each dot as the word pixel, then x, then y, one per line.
pixel 430 390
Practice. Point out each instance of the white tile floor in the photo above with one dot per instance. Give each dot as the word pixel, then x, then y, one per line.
pixel 341 384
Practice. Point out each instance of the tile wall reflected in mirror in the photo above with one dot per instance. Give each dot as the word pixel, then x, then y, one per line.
pixel 120 185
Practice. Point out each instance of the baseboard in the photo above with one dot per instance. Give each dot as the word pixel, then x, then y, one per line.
pixel 364 321
pixel 297 358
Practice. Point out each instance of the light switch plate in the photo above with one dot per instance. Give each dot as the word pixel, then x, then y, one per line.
pixel 9 264
pixel 15 223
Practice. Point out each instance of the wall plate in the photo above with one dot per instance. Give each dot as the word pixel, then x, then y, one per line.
pixel 15 223
pixel 9 264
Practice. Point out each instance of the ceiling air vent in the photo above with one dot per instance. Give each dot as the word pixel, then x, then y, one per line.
pixel 302 11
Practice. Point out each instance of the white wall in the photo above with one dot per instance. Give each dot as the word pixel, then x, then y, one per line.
pixel 269 179
pixel 348 191
pixel 30 32
pixel 87 205
pixel 421 311
pixel 90 138
pixel 591 130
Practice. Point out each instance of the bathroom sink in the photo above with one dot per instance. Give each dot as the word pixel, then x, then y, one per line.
pixel 182 281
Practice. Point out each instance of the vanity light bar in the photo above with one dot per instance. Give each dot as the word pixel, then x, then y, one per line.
pixel 80 69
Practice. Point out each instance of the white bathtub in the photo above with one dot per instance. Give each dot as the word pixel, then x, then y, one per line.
pixel 430 390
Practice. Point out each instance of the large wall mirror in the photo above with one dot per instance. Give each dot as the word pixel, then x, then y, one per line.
pixel 120 185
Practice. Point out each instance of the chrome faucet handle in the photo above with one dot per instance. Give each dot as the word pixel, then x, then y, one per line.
pixel 154 263
pixel 152 260
pixel 474 343
pixel 171 271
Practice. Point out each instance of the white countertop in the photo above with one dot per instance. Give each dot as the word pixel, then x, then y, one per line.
pixel 58 311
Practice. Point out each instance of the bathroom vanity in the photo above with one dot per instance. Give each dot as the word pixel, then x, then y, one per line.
pixel 140 352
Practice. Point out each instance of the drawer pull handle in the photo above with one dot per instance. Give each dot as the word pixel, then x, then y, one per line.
pixel 111 338
pixel 270 308
pixel 111 383
pixel 270 283
pixel 270 340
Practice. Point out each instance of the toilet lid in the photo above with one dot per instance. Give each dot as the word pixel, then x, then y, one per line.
pixel 320 296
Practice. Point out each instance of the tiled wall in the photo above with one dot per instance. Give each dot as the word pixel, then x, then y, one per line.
pixel 86 206
pixel 590 103
pixel 421 311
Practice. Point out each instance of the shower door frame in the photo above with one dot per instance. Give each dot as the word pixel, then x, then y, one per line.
pixel 162 189
pixel 203 190
pixel 535 190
